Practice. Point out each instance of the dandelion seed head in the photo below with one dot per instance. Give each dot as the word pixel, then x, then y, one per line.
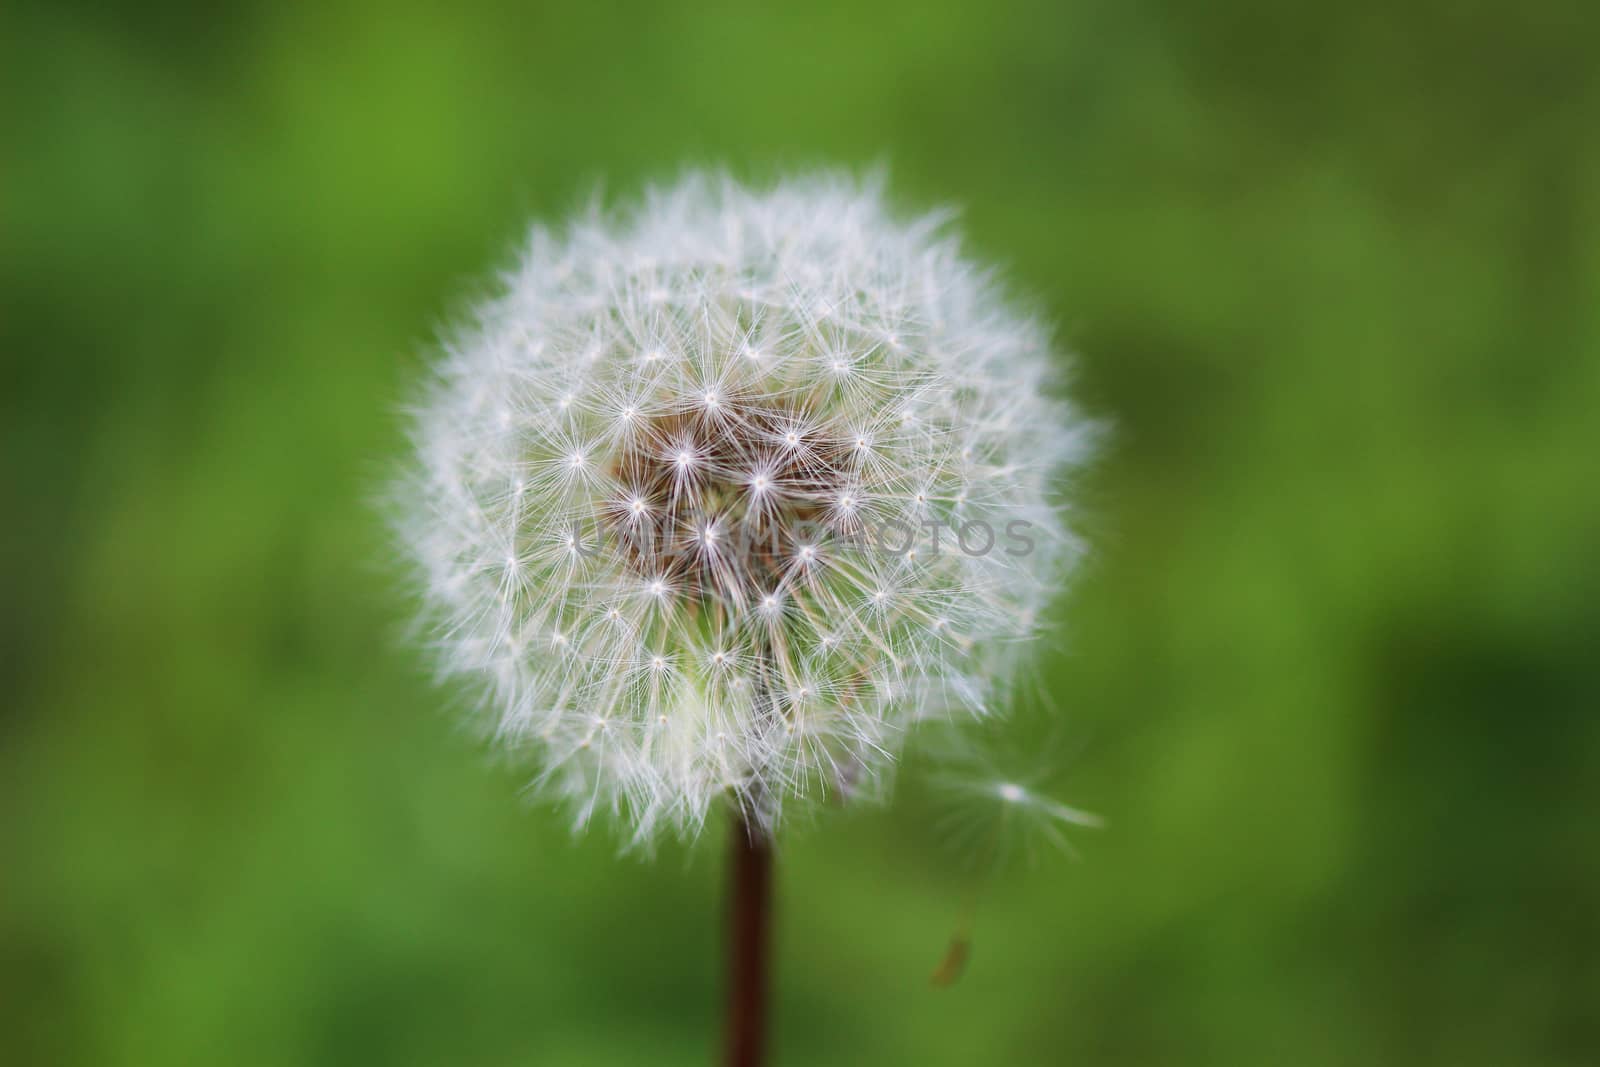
pixel 700 403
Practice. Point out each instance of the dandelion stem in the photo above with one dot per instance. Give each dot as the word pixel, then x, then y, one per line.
pixel 749 928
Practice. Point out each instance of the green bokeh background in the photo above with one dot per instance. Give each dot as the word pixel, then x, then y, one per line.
pixel 1334 273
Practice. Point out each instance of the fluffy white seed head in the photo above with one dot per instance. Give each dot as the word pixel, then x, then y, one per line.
pixel 723 495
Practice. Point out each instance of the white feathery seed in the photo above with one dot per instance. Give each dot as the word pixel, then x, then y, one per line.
pixel 698 498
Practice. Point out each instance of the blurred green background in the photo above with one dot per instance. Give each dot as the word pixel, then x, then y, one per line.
pixel 1334 273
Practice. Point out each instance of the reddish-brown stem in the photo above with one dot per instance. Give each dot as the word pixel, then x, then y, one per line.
pixel 749 936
